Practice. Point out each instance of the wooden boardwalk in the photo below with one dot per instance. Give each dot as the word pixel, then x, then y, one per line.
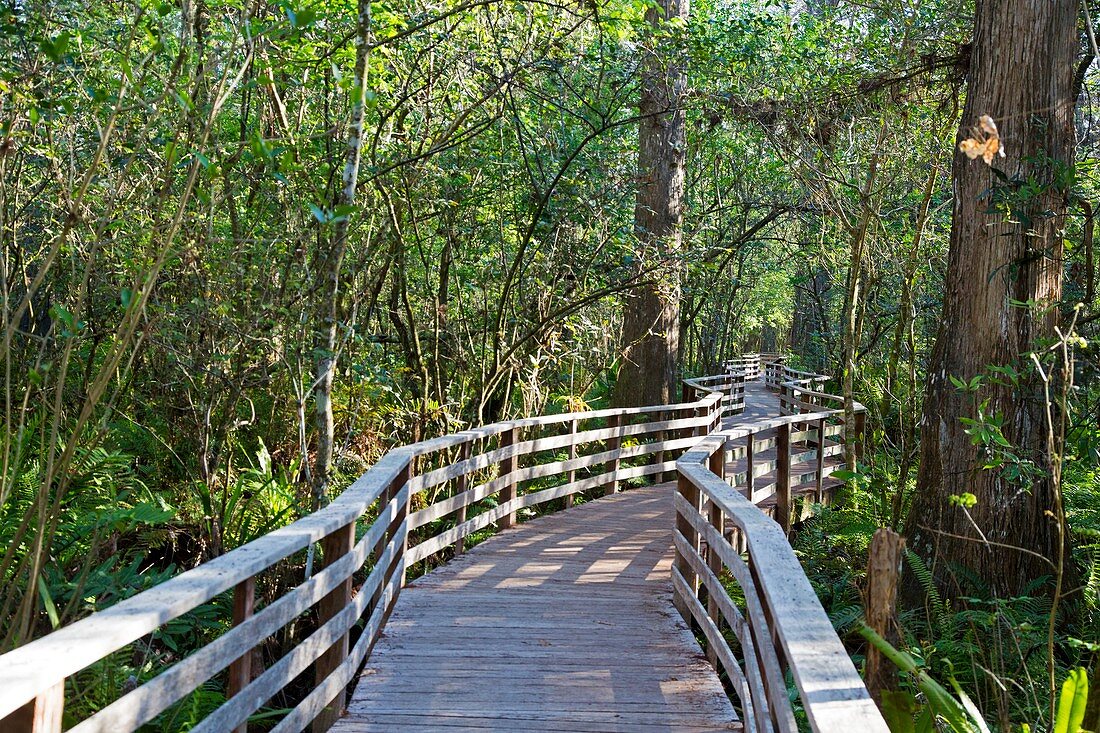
pixel 565 623
pixel 562 623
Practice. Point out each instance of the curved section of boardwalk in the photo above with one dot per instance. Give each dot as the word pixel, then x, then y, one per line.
pixel 565 623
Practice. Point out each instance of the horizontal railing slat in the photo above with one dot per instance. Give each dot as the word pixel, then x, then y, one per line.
pixel 157 695
pixel 273 679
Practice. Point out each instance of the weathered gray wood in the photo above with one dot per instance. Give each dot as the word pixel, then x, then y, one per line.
pixel 333 547
pixel 338 681
pixel 43 714
pixel 277 676
pixel 573 457
pixel 724 400
pixel 41 664
pixel 770 690
pixel 460 489
pixel 549 443
pixel 783 477
pixel 481 521
pixel 613 444
pixel 562 619
pixel 715 642
pixel 467 497
pixel 507 468
pixel 819 492
pixel 154 697
pixel 753 697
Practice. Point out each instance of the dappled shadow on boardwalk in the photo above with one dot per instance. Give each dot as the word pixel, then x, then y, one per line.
pixel 565 623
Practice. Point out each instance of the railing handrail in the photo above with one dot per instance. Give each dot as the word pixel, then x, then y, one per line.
pixel 34 674
pixel 833 694
pixel 780 604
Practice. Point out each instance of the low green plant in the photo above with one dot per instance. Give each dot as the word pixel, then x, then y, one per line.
pixel 929 706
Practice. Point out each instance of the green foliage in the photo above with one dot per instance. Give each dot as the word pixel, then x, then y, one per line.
pixel 168 206
pixel 907 714
pixel 929 706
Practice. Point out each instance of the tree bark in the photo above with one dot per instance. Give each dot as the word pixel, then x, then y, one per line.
pixel 1022 75
pixel 651 315
pixel 880 606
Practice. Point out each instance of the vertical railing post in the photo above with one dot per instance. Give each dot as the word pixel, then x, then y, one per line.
pixel 403 478
pixel 717 462
pixel 333 547
pixel 859 436
pixel 390 535
pixel 750 451
pixel 683 414
pixel 783 476
pixel 572 456
pixel 614 443
pixel 704 428
pixel 240 670
pixel 662 436
pixel 687 529
pixel 462 483
pixel 41 715
pixel 717 465
pixel 819 490
pixel 507 466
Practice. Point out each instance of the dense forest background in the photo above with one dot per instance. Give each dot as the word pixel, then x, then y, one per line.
pixel 245 248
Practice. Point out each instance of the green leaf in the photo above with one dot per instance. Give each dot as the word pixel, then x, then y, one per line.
pixel 57 47
pixel 899 707
pixel 1071 703
pixel 47 601
pixel 203 160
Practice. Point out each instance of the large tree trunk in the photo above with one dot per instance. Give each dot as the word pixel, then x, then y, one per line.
pixel 651 328
pixel 1021 74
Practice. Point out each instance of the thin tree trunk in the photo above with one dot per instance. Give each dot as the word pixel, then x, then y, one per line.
pixel 1003 282
pixel 903 337
pixel 331 265
pixel 852 321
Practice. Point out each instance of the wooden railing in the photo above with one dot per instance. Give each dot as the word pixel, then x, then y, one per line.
pixel 423 503
pixel 417 503
pixel 722 538
pixel 731 386
pixel 753 365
